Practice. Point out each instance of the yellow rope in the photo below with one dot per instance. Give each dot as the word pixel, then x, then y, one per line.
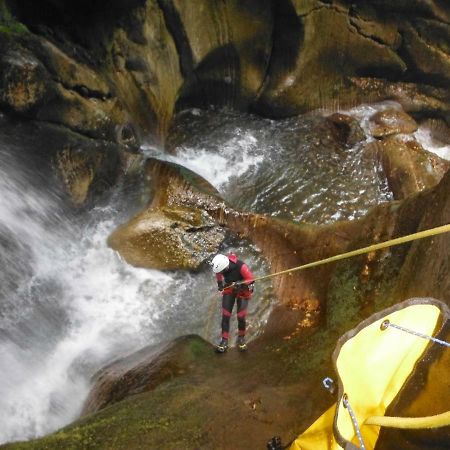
pixel 439 420
pixel 371 248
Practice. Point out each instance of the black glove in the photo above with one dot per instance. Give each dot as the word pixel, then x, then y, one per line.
pixel 220 286
pixel 243 287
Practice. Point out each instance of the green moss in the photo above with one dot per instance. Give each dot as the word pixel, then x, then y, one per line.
pixel 8 24
pixel 344 302
pixel 199 348
pixel 13 28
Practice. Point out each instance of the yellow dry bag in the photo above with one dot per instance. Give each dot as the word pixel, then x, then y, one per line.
pixel 373 361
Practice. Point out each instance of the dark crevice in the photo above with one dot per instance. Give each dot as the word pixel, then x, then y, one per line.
pixel 74 131
pixel 175 27
pixel 266 77
pixel 85 92
pixel 354 26
pixel 287 39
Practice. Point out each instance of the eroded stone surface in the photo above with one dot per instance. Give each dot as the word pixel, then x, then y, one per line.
pixel 168 238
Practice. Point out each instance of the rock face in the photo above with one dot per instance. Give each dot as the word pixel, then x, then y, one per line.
pixel 132 65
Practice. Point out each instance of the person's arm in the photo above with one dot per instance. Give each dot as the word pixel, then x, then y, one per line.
pixel 220 281
pixel 246 274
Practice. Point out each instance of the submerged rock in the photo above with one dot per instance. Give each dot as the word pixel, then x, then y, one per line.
pixel 347 129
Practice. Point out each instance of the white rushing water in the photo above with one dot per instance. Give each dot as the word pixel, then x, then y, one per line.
pixel 75 306
pixel 69 304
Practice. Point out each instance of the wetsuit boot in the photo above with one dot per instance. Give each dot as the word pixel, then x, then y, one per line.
pixel 242 346
pixel 222 347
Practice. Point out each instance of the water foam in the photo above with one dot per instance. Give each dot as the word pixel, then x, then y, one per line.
pixel 234 158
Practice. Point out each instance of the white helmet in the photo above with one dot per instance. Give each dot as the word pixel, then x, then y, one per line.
pixel 219 263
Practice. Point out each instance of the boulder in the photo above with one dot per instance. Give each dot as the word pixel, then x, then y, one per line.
pixel 347 130
pixel 391 121
pixel 24 82
pixel 168 238
pixel 407 166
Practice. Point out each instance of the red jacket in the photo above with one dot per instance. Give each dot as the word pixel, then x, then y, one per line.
pixel 237 271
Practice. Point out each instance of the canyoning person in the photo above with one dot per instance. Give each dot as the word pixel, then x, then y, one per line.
pixel 229 270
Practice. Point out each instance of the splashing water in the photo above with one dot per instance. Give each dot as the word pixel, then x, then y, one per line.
pixel 424 137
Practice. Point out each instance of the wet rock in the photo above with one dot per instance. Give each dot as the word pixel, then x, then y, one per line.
pixel 168 238
pixel 141 371
pixel 347 129
pixel 283 244
pixel 315 71
pixel 391 121
pixel 225 50
pixel 438 129
pixel 408 167
pixel 418 98
pixel 23 81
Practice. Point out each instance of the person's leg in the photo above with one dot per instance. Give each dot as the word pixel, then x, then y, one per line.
pixel 227 308
pixel 242 308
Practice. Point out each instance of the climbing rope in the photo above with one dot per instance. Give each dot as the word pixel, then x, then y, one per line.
pixel 371 248
pixel 439 420
pixel 386 324
pixel 355 422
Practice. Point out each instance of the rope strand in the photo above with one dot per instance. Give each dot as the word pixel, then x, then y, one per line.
pixel 387 324
pixel 371 248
